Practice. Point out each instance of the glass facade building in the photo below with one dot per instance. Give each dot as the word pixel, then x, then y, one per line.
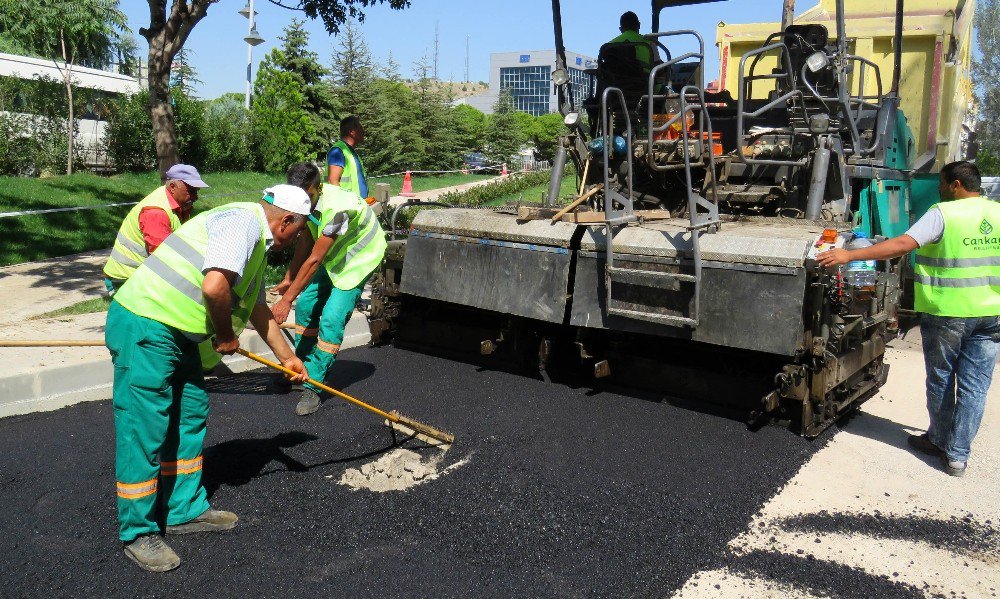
pixel 529 88
pixel 528 76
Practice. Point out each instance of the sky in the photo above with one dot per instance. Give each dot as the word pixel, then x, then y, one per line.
pixel 219 53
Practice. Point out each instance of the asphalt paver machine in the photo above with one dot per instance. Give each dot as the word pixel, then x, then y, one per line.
pixel 689 269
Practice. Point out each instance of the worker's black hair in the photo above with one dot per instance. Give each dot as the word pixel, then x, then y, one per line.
pixel 629 21
pixel 348 124
pixel 303 175
pixel 965 173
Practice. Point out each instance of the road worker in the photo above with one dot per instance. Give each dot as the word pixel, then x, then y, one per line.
pixel 150 221
pixel 203 282
pixel 344 167
pixel 348 243
pixel 957 290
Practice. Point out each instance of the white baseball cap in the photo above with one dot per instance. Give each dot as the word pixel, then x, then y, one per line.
pixel 290 198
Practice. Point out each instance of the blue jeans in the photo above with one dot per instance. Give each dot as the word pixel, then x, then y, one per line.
pixel 959 354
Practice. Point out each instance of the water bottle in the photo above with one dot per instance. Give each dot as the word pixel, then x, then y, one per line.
pixel 860 273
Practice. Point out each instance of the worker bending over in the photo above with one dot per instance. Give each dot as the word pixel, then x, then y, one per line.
pixel 349 245
pixel 204 281
pixel 150 221
pixel 957 287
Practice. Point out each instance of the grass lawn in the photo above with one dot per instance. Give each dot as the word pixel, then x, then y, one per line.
pixel 536 195
pixel 35 237
pixel 97 304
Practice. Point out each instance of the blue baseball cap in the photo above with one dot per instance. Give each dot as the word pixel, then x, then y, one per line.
pixel 185 173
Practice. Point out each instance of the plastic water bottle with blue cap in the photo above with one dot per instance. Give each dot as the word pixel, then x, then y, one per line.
pixel 860 273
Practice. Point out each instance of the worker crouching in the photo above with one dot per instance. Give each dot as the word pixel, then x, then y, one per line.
pixel 203 282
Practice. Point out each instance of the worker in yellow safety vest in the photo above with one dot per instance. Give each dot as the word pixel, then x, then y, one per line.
pixel 348 242
pixel 203 282
pixel 957 290
pixel 344 167
pixel 645 51
pixel 150 221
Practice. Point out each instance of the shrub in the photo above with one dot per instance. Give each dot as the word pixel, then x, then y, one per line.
pixel 226 135
pixel 129 134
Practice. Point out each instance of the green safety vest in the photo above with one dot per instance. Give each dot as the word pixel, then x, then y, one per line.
pixel 130 248
pixel 355 254
pixel 167 287
pixel 643 49
pixel 960 275
pixel 352 166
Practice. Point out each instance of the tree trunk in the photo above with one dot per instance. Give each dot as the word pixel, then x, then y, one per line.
pixel 68 80
pixel 161 111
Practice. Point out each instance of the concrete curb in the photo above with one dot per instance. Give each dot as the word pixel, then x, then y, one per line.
pixel 53 388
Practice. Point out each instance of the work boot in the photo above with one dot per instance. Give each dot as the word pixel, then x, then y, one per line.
pixel 954 468
pixel 152 554
pixel 923 444
pixel 308 403
pixel 209 521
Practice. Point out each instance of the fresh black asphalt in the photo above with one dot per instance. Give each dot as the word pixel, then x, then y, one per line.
pixel 567 492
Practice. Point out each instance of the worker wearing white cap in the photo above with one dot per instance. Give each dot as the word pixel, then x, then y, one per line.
pixel 150 221
pixel 203 282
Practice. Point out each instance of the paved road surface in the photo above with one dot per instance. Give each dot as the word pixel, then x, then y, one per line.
pixel 566 492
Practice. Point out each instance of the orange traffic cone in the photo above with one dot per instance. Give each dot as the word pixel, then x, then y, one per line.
pixel 504 173
pixel 407 186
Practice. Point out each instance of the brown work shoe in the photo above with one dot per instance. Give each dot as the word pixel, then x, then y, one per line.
pixel 923 444
pixel 210 521
pixel 152 554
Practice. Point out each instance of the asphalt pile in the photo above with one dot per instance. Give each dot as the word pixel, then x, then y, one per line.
pixel 571 492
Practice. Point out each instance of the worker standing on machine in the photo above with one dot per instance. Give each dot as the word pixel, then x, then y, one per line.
pixel 203 282
pixel 344 167
pixel 349 244
pixel 150 221
pixel 957 269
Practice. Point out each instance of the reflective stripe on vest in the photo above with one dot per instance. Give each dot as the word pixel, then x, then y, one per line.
pixel 167 288
pixel 129 250
pixel 352 165
pixel 960 275
pixel 358 252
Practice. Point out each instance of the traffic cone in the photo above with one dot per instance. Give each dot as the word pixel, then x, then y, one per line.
pixel 504 173
pixel 407 186
pixel 465 171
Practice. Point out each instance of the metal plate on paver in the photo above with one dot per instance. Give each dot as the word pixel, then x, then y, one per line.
pixel 491 225
pixel 509 277
pixel 781 243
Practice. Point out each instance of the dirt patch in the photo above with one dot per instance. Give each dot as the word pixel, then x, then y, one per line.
pixel 398 470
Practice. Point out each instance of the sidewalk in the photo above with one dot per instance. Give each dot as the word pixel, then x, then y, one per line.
pixel 34 379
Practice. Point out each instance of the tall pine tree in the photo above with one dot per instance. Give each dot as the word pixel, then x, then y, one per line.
pixel 318 99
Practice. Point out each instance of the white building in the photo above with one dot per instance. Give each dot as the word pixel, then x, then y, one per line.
pixel 528 75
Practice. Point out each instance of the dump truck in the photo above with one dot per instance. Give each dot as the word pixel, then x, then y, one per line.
pixel 686 264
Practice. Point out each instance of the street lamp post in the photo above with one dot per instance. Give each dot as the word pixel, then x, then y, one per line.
pixel 252 39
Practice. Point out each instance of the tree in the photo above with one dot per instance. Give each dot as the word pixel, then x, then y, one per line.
pixel 95 32
pixel 280 123
pixel 352 71
pixel 986 74
pixel 168 30
pixel 544 134
pixel 318 99
pixel 434 119
pixel 503 136
pixel 470 128
pixel 84 32
pixel 184 75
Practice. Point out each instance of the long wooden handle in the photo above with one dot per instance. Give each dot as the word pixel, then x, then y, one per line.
pixel 577 202
pixel 387 415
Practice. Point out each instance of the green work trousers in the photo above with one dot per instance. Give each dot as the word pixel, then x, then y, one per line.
pixel 321 313
pixel 160 407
